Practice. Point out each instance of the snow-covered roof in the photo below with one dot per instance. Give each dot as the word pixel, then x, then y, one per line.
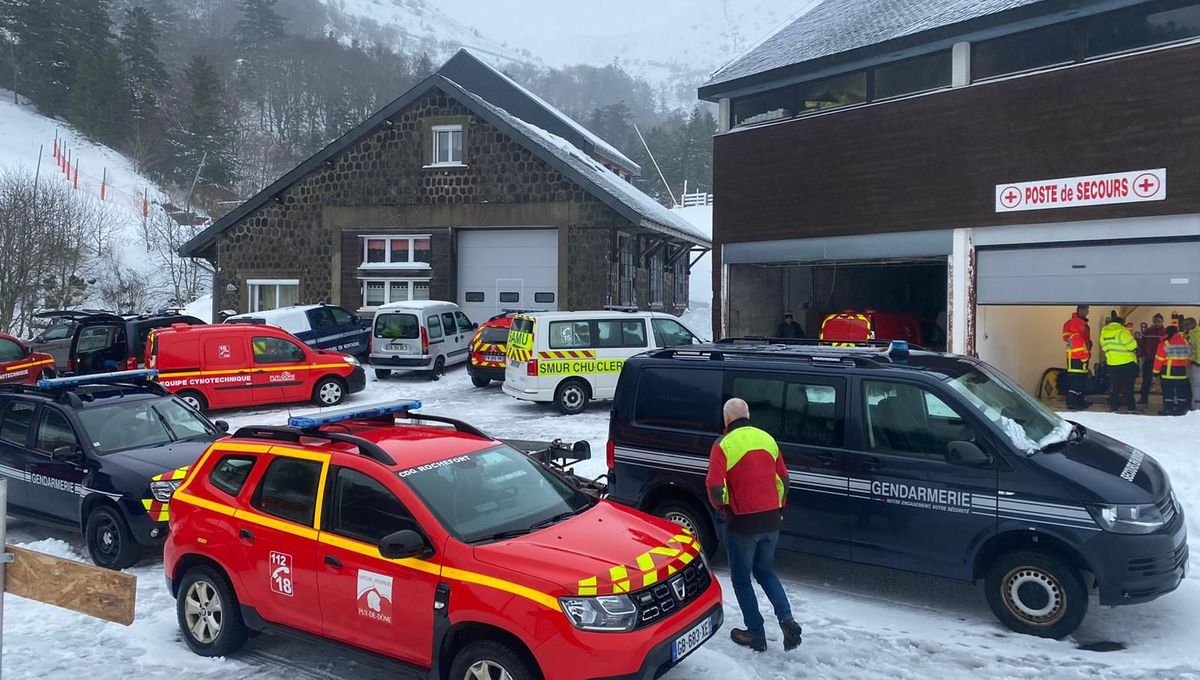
pixel 837 26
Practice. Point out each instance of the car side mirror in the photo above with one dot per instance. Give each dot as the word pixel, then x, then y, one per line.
pixel 582 450
pixel 403 544
pixel 222 425
pixel 64 453
pixel 966 454
pixel 474 326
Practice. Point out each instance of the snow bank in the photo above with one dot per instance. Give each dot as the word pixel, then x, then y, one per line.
pixel 201 308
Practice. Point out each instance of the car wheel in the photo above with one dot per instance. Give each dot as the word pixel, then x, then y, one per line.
pixel 691 518
pixel 382 374
pixel 1037 594
pixel 329 391
pixel 572 396
pixel 208 612
pixel 480 381
pixel 439 368
pixel 491 660
pixel 109 541
pixel 48 374
pixel 194 399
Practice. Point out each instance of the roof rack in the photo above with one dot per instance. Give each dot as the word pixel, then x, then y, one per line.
pixel 814 342
pixel 820 352
pixel 293 435
pixel 621 308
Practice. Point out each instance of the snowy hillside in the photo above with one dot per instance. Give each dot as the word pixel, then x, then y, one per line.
pixel 24 134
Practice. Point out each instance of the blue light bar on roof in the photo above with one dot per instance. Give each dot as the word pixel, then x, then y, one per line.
pixel 97 379
pixel 898 349
pixel 341 415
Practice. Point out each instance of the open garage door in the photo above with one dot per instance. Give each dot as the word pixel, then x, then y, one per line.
pixel 502 269
pixel 1163 273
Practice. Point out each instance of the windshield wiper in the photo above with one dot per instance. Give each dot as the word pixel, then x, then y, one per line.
pixel 511 533
pixel 1077 432
pixel 553 520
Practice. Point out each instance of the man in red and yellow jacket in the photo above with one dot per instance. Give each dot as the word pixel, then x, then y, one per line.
pixel 748 481
pixel 1171 364
pixel 1077 337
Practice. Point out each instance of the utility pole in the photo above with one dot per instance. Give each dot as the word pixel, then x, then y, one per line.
pixel 188 206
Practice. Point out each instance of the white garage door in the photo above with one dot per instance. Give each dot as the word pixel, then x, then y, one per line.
pixel 1166 273
pixel 502 269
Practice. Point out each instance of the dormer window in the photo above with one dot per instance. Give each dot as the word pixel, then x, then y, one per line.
pixel 447 145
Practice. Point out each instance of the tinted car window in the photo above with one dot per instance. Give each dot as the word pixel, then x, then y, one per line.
pixel 364 509
pixel 57 332
pixel 140 424
pixel 494 335
pixel 435 326
pixel 397 326
pixel 230 473
pixel 910 421
pixel 92 338
pixel 15 425
pixel 54 431
pixel 340 316
pixel 679 398
pixel 464 324
pixel 322 318
pixel 620 333
pixel 10 350
pixel 668 333
pixel 289 490
pixel 569 334
pixel 791 408
pixel 449 325
pixel 269 350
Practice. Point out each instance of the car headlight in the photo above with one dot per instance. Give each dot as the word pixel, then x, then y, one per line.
pixel 606 612
pixel 352 361
pixel 1128 519
pixel 162 490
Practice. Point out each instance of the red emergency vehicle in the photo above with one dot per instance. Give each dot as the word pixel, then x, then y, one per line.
pixel 243 364
pixel 432 543
pixel 488 348
pixel 852 327
pixel 20 364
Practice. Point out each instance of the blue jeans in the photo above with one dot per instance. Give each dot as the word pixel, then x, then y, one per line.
pixel 755 554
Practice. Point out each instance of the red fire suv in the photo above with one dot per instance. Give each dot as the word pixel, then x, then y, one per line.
pixel 243 364
pixel 488 347
pixel 432 543
pixel 19 364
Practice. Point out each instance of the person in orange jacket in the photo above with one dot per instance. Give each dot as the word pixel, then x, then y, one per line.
pixel 1077 338
pixel 1171 364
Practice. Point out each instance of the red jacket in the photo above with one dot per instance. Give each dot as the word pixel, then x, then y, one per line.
pixel 746 474
pixel 1077 338
pixel 1172 358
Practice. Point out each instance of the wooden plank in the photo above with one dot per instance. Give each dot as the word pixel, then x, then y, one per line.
pixel 88 589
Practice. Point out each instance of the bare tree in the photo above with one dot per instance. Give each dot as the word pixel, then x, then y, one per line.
pixel 125 290
pixel 183 278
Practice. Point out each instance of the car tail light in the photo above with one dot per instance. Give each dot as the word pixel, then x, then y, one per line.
pixel 424 341
pixel 531 368
pixel 610 455
pixel 131 364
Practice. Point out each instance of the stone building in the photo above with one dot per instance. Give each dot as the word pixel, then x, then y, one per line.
pixel 467 188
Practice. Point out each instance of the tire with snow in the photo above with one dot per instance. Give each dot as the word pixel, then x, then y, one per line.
pixel 210 618
pixel 382 373
pixel 480 380
pixel 110 542
pixel 1037 594
pixel 692 518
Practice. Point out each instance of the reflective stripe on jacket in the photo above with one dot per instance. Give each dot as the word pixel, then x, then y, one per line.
pixel 1118 344
pixel 1172 358
pixel 746 472
pixel 1076 337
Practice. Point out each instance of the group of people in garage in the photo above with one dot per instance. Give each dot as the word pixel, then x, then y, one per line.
pixel 1172 353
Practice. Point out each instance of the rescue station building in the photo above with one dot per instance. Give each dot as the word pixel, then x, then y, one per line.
pixel 985 164
pixel 468 188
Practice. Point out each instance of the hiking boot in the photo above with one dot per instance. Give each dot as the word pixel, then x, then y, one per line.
pixel 742 637
pixel 791 635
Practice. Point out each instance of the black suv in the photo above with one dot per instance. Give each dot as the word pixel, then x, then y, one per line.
pixel 926 462
pixel 114 342
pixel 100 454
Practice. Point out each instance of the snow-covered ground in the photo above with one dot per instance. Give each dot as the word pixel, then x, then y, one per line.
pixel 859 622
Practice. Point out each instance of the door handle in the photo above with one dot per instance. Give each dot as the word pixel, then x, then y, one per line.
pixel 872 464
pixel 333 561
pixel 246 535
pixel 826 458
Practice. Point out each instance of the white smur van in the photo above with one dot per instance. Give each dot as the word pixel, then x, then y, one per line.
pixel 570 358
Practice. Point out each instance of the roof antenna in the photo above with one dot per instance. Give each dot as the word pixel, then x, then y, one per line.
pixel 660 172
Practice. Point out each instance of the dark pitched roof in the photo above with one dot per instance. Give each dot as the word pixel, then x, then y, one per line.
pixel 837 27
pixel 499 90
pixel 572 161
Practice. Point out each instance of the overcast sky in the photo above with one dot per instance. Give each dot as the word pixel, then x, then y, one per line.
pixel 526 19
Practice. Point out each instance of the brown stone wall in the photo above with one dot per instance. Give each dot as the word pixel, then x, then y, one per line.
pixel 381 184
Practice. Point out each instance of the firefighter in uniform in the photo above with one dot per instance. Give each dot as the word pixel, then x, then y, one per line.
pixel 1147 347
pixel 747 481
pixel 1077 337
pixel 1120 353
pixel 1171 362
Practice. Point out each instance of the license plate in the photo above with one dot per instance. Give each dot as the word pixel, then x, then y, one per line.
pixel 398 347
pixel 493 357
pixel 692 639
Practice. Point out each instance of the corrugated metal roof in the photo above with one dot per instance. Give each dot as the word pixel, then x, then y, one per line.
pixel 837 26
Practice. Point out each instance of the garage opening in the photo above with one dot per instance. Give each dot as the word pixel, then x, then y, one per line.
pixel 911 293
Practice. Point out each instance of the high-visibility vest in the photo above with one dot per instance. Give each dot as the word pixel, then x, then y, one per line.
pixel 1075 339
pixel 1118 344
pixel 1171 361
pixel 1193 338
pixel 748 468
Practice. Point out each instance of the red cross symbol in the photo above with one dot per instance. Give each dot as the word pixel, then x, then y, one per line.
pixel 1010 197
pixel 1146 185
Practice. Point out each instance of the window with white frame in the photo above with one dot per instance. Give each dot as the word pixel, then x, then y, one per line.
pixel 378 292
pixel 391 252
pixel 447 145
pixel 273 293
